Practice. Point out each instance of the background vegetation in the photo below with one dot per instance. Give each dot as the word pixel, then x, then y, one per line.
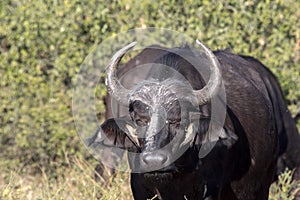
pixel 43 43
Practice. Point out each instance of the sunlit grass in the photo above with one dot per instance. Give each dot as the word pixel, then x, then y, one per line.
pixel 77 182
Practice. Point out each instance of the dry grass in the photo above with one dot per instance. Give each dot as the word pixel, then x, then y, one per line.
pixel 78 182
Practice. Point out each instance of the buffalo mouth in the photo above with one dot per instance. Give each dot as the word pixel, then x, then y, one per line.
pixel 165 173
pixel 166 176
pixel 159 177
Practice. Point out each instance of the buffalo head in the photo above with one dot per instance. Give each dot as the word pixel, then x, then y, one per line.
pixel 165 112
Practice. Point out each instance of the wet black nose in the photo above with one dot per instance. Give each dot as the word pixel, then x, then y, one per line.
pixel 155 159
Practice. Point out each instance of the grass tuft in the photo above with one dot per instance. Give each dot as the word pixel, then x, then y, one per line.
pixel 285 187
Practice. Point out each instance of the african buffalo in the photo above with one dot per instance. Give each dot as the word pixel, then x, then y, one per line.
pixel 242 161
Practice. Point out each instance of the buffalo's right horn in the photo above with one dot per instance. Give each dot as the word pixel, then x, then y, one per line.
pixel 112 83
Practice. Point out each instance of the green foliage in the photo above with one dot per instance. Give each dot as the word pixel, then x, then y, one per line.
pixel 43 43
pixel 285 187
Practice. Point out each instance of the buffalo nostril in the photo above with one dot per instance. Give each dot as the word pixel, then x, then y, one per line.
pixel 154 159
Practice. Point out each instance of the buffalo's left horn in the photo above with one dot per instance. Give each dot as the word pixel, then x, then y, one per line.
pixel 112 83
pixel 211 88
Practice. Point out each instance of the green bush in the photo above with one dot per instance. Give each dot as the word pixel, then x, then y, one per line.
pixel 43 44
pixel 285 187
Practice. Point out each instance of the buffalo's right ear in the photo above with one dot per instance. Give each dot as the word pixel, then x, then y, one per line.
pixel 217 132
pixel 115 132
pixel 211 131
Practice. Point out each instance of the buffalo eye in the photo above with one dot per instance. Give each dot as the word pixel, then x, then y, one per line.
pixel 173 113
pixel 140 113
pixel 142 122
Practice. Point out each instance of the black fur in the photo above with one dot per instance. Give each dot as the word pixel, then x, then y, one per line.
pixel 257 126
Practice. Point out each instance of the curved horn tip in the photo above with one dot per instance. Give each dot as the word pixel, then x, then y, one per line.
pixel 198 42
pixel 202 45
pixel 131 45
pixel 123 50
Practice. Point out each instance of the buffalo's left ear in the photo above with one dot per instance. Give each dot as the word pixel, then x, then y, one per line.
pixel 117 132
